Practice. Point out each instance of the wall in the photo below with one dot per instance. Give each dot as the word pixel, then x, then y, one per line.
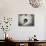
pixel 11 8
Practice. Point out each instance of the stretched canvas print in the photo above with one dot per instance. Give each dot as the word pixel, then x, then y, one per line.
pixel 26 20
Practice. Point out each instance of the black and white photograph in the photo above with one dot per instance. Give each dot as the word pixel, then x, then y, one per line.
pixel 26 20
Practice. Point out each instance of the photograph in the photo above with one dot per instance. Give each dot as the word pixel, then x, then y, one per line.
pixel 26 19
